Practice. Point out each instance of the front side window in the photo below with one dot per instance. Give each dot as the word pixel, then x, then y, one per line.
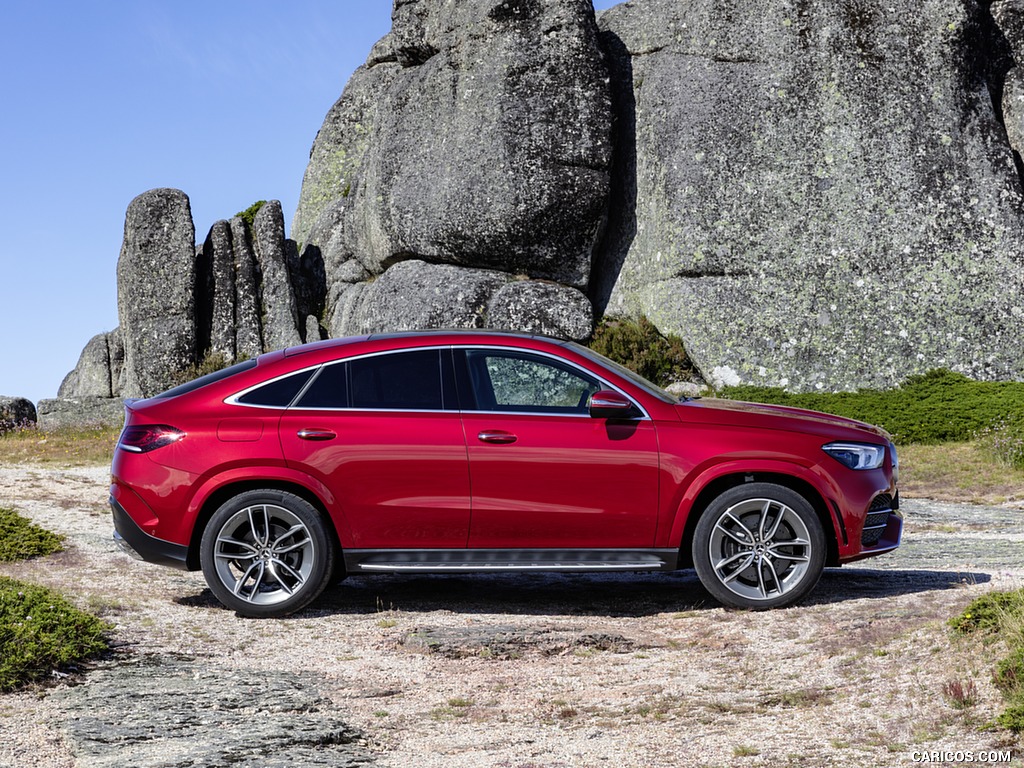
pixel 514 381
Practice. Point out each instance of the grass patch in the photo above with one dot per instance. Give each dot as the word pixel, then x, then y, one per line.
pixel 999 616
pixel 20 539
pixel 67 446
pixel 936 407
pixel 41 632
pixel 963 472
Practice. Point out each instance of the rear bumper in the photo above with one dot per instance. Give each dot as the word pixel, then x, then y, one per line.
pixel 140 545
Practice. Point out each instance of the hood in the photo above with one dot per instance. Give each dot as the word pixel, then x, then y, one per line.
pixel 732 411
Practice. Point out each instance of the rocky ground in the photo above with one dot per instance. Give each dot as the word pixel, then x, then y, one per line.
pixel 513 671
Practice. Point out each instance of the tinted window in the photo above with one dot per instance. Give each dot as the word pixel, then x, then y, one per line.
pixel 277 393
pixel 209 378
pixel 329 389
pixel 509 381
pixel 407 380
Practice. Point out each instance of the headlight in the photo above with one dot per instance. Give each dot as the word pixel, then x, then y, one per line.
pixel 856 455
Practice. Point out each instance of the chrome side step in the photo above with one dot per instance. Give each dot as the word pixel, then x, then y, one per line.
pixel 504 560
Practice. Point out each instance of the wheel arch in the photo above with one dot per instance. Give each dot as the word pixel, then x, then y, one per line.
pixel 720 485
pixel 227 491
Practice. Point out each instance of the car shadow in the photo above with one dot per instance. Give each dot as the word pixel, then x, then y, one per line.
pixel 607 595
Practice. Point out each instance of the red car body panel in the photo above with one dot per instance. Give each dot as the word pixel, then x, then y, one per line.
pixel 564 482
pixel 402 478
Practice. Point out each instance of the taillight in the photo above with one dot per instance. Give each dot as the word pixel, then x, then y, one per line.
pixel 148 437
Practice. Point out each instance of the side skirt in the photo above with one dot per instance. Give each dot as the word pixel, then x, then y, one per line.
pixel 492 560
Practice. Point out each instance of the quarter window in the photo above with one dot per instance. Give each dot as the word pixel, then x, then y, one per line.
pixel 277 393
pixel 509 381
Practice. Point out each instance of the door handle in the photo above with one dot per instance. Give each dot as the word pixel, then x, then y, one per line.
pixel 316 434
pixel 496 436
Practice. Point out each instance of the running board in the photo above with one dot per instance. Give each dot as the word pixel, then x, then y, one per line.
pixel 495 560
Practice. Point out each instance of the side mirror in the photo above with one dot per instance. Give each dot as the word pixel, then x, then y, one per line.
pixel 608 404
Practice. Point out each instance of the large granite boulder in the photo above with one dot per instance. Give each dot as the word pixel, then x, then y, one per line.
pixel 99 369
pixel 156 281
pixel 823 194
pixel 478 134
pixel 16 413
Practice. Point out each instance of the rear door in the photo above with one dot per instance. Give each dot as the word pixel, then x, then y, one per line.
pixel 383 433
pixel 544 472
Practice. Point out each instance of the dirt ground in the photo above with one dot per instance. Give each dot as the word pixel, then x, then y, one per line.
pixel 543 671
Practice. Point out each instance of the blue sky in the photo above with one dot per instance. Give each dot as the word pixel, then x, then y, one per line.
pixel 103 101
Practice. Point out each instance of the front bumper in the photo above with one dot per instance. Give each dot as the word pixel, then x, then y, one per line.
pixel 140 545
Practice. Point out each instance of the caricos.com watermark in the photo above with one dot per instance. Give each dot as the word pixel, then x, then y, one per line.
pixel 961 756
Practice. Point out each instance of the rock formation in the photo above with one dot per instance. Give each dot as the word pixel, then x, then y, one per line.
pixel 819 195
pixel 231 298
pixel 477 135
pixel 15 413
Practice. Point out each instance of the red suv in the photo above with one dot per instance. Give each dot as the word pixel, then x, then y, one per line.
pixel 449 452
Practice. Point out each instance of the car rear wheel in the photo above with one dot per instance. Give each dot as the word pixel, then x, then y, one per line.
pixel 759 546
pixel 266 553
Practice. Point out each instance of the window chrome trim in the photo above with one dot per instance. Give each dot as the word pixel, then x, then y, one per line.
pixel 605 384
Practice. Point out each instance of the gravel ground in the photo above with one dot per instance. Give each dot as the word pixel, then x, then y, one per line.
pixel 540 671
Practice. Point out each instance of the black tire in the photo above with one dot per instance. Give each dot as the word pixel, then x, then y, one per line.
pixel 267 553
pixel 759 546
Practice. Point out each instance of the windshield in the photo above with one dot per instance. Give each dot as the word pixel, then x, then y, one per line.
pixel 624 372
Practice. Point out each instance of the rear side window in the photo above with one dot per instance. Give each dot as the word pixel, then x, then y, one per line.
pixel 278 394
pixel 404 380
pixel 329 389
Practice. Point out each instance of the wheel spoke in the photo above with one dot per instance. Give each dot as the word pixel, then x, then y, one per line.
pixel 236 543
pixel 763 519
pixel 237 556
pixel 272 567
pixel 775 526
pixel 742 537
pixel 775 577
pixel 732 559
pixel 275 563
pixel 739 570
pixel 277 547
pixel 257 566
pixel 260 535
pixel 792 558
pixel 760 580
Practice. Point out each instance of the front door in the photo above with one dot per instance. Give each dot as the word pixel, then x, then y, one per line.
pixel 545 474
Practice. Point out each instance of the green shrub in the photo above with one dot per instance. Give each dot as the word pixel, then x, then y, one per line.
pixel 638 345
pixel 20 539
pixel 989 613
pixel 41 632
pixel 249 214
pixel 1000 615
pixel 936 407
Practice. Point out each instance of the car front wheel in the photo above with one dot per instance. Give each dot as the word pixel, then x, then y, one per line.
pixel 266 553
pixel 759 546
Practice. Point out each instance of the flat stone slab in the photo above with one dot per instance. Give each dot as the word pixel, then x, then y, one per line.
pixel 174 713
